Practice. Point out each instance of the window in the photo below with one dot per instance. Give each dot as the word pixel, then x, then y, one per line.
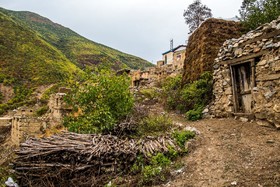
pixel 179 56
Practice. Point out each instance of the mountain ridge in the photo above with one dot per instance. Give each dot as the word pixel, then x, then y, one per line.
pixel 77 48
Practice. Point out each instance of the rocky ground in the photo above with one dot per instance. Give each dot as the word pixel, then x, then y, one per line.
pixel 230 153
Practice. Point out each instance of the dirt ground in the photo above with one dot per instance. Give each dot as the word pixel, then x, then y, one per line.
pixel 230 153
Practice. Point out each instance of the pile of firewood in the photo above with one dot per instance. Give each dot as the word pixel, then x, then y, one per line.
pixel 71 159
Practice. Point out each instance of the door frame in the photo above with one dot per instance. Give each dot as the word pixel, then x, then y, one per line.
pixel 234 85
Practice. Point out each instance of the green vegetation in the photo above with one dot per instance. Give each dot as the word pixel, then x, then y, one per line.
pixel 42 110
pixel 5 173
pixel 76 48
pixel 156 169
pixel 154 125
pixel 102 100
pixel 254 13
pixel 182 136
pixel 26 59
pixel 34 51
pixel 189 99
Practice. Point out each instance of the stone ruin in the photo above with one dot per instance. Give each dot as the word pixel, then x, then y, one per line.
pixel 23 123
pixel 247 76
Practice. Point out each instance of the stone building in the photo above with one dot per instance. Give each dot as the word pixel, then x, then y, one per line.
pixel 171 65
pixel 175 56
pixel 25 123
pixel 247 76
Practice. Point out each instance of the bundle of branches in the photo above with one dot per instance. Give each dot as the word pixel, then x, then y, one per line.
pixel 71 159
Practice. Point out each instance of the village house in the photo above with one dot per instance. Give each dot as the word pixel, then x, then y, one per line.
pixel 247 76
pixel 171 65
pixel 175 56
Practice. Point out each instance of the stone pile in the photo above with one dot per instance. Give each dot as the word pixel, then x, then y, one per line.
pixel 261 47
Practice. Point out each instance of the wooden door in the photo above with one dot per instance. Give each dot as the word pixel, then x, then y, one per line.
pixel 242 83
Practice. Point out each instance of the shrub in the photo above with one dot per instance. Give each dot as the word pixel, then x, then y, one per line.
pixel 154 125
pixel 194 114
pixel 192 97
pixel 160 160
pixel 182 136
pixel 102 100
pixel 149 93
pixel 41 111
pixel 171 92
pixel 149 173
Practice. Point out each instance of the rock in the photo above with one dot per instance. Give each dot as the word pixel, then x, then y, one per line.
pixel 206 110
pixel 276 108
pixel 269 94
pixel 238 52
pixel 243 119
pixel 255 89
pixel 263 123
pixel 234 183
pixel 216 66
pixel 261 115
pixel 192 129
pixel 257 49
pixel 262 63
pixel 228 91
pixel 270 141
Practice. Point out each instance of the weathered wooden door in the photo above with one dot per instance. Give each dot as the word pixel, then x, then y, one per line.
pixel 242 86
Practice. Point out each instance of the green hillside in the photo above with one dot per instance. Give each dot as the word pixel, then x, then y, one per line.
pixel 27 59
pixel 76 48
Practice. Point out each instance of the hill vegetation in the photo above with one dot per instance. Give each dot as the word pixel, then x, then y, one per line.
pixel 76 48
pixel 28 59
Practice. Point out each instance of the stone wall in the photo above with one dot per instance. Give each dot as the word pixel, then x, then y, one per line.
pixel 204 44
pixel 24 127
pixel 247 76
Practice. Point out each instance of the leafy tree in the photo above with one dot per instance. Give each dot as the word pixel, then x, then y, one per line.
pixel 100 102
pixel 254 13
pixel 196 14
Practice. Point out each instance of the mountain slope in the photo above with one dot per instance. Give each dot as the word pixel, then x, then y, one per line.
pixel 27 59
pixel 77 48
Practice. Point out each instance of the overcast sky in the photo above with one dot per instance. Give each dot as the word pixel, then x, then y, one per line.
pixel 139 27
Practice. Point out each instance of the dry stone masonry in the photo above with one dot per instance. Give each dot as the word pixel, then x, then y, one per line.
pixel 247 76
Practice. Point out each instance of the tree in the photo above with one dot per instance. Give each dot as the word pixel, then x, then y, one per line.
pixel 254 13
pixel 196 14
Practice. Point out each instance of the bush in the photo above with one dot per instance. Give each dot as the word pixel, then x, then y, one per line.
pixel 149 173
pixel 160 160
pixel 192 97
pixel 102 100
pixel 182 136
pixel 154 125
pixel 194 114
pixel 171 92
pixel 41 111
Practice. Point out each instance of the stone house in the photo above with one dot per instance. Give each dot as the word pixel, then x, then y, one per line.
pixel 247 76
pixel 175 56
pixel 171 65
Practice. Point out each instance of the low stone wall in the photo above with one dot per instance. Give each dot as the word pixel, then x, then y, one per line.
pixel 24 127
pixel 249 65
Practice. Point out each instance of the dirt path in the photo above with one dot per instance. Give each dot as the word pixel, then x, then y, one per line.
pixel 228 153
pixel 231 153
